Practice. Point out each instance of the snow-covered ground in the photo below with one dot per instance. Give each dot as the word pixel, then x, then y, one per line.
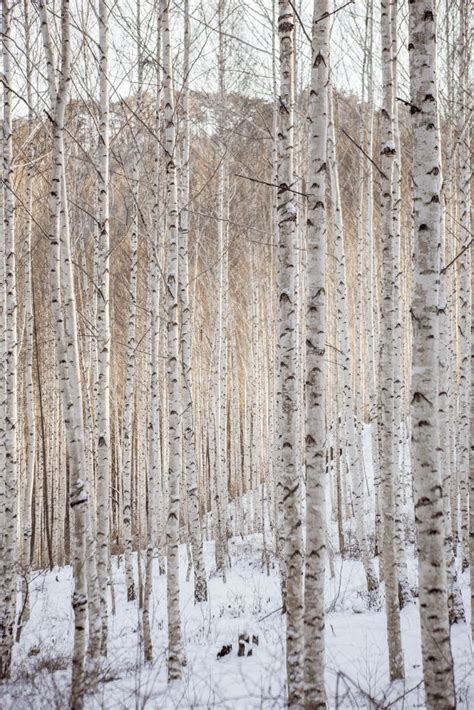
pixel 357 664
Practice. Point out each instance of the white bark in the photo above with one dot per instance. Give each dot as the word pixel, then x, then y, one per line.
pixel 465 404
pixel 404 592
pixel 102 404
pixel 128 407
pixel 155 510
pixel 175 642
pixel 315 383
pixel 426 171
pixel 388 334
pixel 29 314
pixel 277 460
pixel 189 438
pixel 287 444
pixel 67 351
pixel 9 469
pixel 222 337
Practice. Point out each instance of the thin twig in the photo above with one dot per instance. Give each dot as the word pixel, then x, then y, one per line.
pixel 270 184
pixel 363 151
pixel 407 103
pixel 323 17
pixel 465 248
pixel 280 608
pixel 300 21
pixel 328 14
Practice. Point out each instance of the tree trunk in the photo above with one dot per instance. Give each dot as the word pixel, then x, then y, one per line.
pixel 315 384
pixel 175 643
pixel 9 469
pixel 102 406
pixel 426 172
pixel 189 437
pixel 288 434
pixel 67 350
pixel 388 335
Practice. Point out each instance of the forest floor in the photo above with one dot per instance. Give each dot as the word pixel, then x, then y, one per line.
pixel 357 663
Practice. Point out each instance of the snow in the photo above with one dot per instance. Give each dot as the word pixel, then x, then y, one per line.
pixel 357 663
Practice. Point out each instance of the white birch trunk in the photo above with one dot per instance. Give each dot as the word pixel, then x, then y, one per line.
pixel 175 642
pixel 404 592
pixel 189 437
pixel 315 384
pixel 464 190
pixel 426 171
pixel 155 510
pixel 222 336
pixel 291 476
pixel 128 407
pixel 67 351
pixel 388 425
pixel 29 326
pixel 102 404
pixel 9 470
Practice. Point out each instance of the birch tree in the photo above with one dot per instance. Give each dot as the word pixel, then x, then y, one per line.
pixel 67 350
pixel 464 190
pixel 103 327
pixel 189 438
pixel 278 404
pixel 315 384
pixel 175 642
pixel 27 521
pixel 388 334
pixel 291 477
pixel 128 407
pixel 28 343
pixel 466 288
pixel 404 592
pixel 426 170
pixel 155 487
pixel 9 469
pixel 222 323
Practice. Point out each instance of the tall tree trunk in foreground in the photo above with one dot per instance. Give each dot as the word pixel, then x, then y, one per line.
pixel 27 505
pixel 67 351
pixel 466 376
pixel 9 471
pixel 175 642
pixel 288 360
pixel 128 408
pixel 404 591
pixel 426 171
pixel 223 312
pixel 370 314
pixel 315 440
pixel 155 489
pixel 103 328
pixel 278 412
pixel 388 426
